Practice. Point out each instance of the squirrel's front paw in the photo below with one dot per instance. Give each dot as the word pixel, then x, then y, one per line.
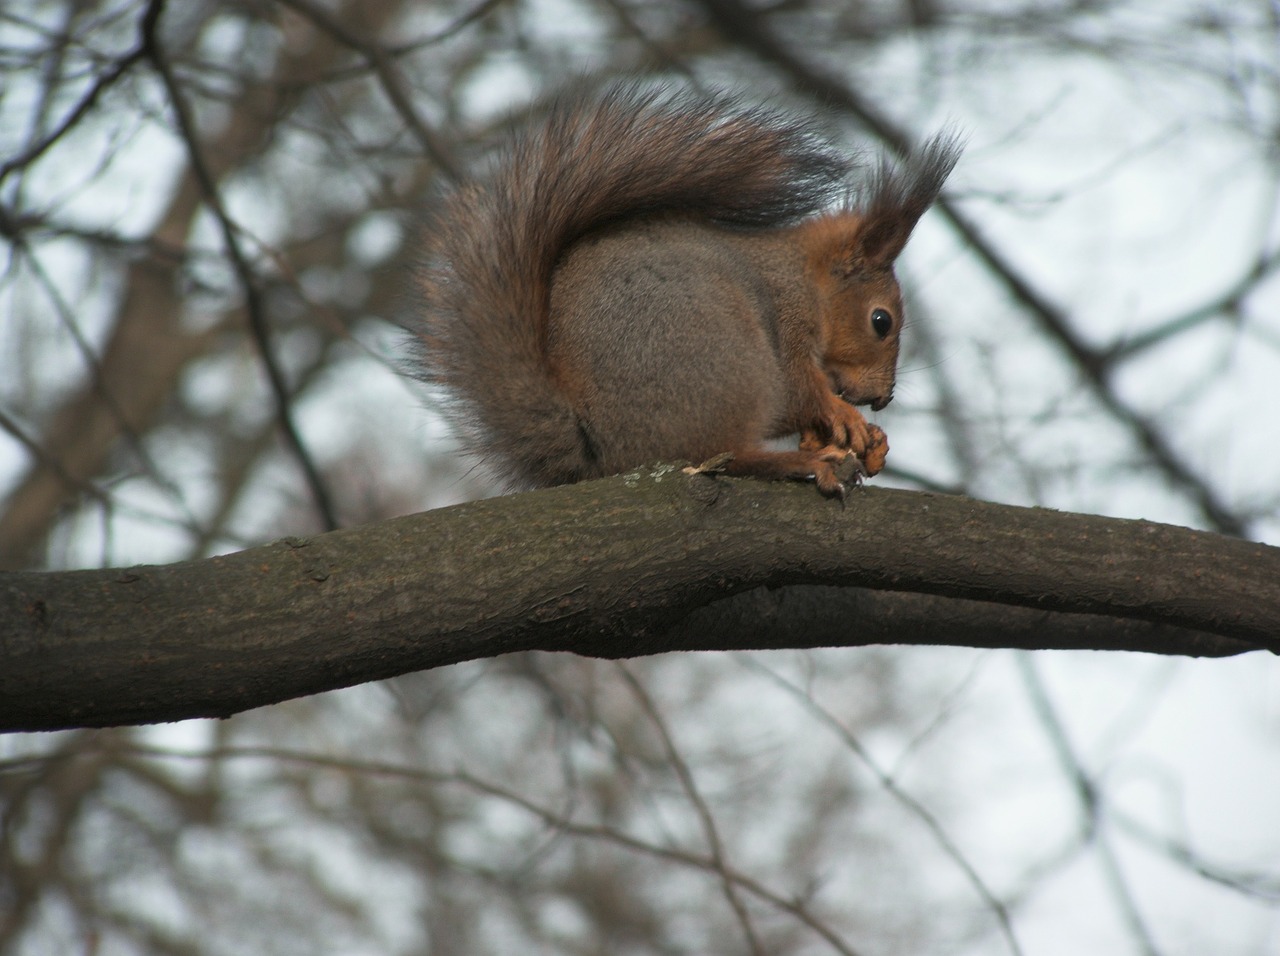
pixel 876 451
pixel 840 465
pixel 840 425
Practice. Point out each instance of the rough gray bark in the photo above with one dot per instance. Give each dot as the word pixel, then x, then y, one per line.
pixel 638 564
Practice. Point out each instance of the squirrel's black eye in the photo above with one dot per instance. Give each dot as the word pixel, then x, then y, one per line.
pixel 882 322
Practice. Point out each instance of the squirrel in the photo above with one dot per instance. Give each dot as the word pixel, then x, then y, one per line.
pixel 657 275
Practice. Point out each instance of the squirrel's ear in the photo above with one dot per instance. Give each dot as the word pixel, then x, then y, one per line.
pixel 897 198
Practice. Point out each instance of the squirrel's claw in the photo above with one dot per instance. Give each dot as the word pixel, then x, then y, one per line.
pixel 836 469
pixel 852 469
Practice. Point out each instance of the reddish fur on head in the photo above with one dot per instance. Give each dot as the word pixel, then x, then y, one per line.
pixel 850 255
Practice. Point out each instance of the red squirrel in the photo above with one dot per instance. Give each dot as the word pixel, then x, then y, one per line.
pixel 653 275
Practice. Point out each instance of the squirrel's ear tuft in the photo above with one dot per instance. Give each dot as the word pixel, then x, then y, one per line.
pixel 898 197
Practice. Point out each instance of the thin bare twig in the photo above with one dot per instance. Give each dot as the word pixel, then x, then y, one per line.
pixel 709 829
pixel 390 79
pixel 894 789
pixel 1091 802
pixel 254 305
pixel 551 818
pixel 78 112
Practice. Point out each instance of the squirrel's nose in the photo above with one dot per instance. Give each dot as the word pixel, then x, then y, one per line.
pixel 881 402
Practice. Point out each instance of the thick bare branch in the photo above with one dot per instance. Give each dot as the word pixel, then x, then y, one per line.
pixel 613 568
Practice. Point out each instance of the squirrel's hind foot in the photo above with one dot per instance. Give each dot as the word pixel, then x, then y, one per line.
pixel 830 467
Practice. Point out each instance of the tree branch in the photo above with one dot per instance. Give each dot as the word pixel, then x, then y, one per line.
pixel 638 564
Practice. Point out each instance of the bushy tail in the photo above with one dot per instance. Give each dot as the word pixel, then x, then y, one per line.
pixel 493 244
